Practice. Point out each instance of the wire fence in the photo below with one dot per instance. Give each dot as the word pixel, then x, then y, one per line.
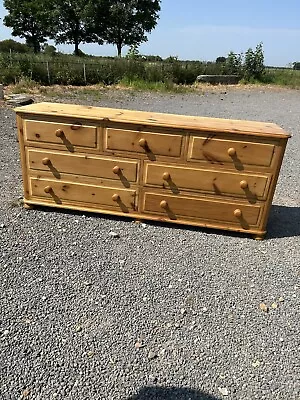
pixel 107 71
pixel 69 70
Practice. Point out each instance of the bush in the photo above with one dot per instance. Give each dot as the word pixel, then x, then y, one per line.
pixel 254 63
pixel 49 50
pixel 296 65
pixel 69 69
pixel 221 60
pixel 9 45
pixel 233 65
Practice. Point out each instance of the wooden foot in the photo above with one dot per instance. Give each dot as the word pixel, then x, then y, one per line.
pixel 28 206
pixel 259 236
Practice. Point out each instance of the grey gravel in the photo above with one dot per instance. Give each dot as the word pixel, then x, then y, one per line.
pixel 75 301
pixel 114 234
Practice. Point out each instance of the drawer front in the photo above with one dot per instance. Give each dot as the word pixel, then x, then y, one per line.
pixel 82 164
pixel 63 192
pixel 237 153
pixel 181 207
pixel 67 135
pixel 147 143
pixel 216 182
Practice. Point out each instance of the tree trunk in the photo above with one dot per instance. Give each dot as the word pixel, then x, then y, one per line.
pixel 33 43
pixel 36 46
pixel 76 51
pixel 119 47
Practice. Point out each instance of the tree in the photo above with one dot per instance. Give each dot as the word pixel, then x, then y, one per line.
pixel 296 65
pixel 9 45
pixel 221 60
pixel 29 19
pixel 71 22
pixel 233 64
pixel 254 62
pixel 49 50
pixel 133 53
pixel 126 22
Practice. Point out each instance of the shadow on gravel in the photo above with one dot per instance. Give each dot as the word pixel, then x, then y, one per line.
pixel 173 393
pixel 283 222
pixel 148 222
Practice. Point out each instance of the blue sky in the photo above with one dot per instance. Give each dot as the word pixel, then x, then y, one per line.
pixel 197 30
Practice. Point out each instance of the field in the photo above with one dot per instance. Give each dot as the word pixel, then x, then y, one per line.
pixel 162 311
pixel 81 71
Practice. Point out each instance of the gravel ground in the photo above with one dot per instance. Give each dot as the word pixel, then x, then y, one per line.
pixel 162 312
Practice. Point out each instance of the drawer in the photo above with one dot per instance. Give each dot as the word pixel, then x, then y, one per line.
pixel 82 164
pixel 64 192
pixel 184 207
pixel 217 182
pixel 148 143
pixel 67 135
pixel 216 150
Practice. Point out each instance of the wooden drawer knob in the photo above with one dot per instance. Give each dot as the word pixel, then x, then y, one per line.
pixel 46 161
pixel 163 204
pixel 237 213
pixel 231 152
pixel 115 197
pixel 117 170
pixel 166 176
pixel 59 133
pixel 48 189
pixel 244 184
pixel 143 143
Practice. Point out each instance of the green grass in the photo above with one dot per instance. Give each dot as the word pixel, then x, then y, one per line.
pixel 164 87
pixel 28 70
pixel 283 77
pixel 274 77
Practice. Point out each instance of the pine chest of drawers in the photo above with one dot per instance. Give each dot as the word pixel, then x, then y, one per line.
pixel 199 171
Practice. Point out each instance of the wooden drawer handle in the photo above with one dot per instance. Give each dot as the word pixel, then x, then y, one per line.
pixel 163 204
pixel 115 197
pixel 237 213
pixel 46 161
pixel 143 143
pixel 117 170
pixel 48 189
pixel 166 176
pixel 59 133
pixel 244 184
pixel 231 152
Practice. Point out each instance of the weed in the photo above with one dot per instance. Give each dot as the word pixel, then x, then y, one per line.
pixel 15 203
pixel 24 85
pixel 166 87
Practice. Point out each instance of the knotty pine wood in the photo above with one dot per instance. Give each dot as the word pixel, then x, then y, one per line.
pixel 217 150
pixel 59 162
pixel 150 165
pixel 155 119
pixel 61 192
pixel 176 207
pixel 73 134
pixel 142 141
pixel 228 183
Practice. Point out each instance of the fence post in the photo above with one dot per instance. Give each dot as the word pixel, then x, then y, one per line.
pixel 1 92
pixel 48 72
pixel 84 73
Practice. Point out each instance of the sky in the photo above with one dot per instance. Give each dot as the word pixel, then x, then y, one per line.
pixel 198 30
